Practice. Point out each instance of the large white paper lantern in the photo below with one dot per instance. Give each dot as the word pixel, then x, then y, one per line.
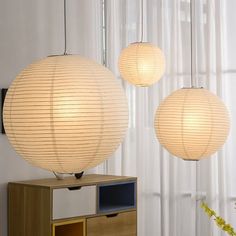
pixel 65 114
pixel 142 64
pixel 192 123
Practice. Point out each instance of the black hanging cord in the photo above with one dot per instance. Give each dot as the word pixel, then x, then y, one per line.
pixel 65 30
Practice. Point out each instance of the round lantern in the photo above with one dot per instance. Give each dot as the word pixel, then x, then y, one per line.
pixel 192 123
pixel 65 114
pixel 142 64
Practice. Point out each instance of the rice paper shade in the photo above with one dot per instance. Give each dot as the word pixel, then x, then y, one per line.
pixel 192 123
pixel 65 114
pixel 142 64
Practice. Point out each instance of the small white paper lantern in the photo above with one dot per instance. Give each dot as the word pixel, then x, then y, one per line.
pixel 192 123
pixel 65 114
pixel 142 64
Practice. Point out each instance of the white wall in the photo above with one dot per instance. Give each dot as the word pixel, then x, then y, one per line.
pixel 30 30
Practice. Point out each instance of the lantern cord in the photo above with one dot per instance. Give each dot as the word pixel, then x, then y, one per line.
pixel 65 29
pixel 104 32
pixel 192 84
pixel 141 21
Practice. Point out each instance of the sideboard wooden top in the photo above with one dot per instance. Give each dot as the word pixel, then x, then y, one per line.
pixel 92 179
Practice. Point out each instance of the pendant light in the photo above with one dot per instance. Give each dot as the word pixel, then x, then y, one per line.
pixel 192 123
pixel 142 63
pixel 65 113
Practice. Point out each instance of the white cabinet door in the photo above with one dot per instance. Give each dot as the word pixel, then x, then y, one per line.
pixel 71 203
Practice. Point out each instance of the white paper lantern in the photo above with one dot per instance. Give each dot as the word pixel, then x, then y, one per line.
pixel 192 123
pixel 142 64
pixel 65 114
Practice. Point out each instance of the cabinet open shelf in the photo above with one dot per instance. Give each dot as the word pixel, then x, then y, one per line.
pixel 116 197
pixel 69 228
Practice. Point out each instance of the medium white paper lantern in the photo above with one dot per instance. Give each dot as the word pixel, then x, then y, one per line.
pixel 65 114
pixel 192 123
pixel 142 64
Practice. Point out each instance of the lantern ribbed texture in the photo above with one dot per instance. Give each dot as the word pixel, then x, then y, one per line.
pixel 192 123
pixel 142 64
pixel 65 114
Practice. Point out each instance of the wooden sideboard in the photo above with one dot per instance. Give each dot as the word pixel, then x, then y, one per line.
pixel 95 205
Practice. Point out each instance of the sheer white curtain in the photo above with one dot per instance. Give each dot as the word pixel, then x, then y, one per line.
pixel 216 177
pixel 170 189
pixel 166 184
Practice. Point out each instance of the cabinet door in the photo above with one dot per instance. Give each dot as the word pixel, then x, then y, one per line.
pixel 68 204
pixel 122 224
